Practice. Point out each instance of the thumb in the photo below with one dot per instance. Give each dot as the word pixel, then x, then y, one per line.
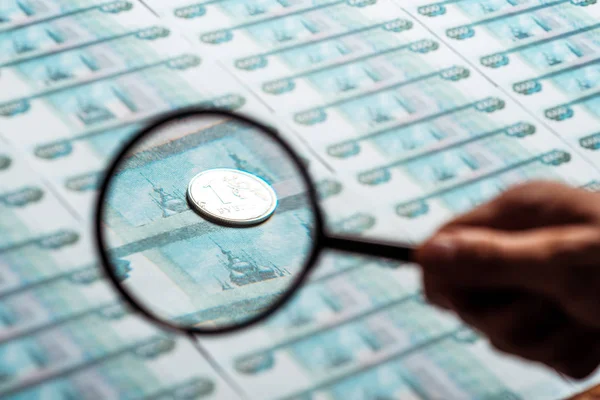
pixel 472 256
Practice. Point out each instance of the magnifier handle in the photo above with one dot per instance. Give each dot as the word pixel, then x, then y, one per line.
pixel 391 250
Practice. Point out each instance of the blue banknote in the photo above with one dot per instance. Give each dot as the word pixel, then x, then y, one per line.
pixel 127 377
pixel 392 102
pixel 389 331
pixel 64 297
pixel 124 52
pixel 566 111
pixel 528 22
pixel 479 189
pixel 85 25
pixel 547 54
pixel 380 36
pixel 453 163
pixel 402 62
pixel 472 8
pixel 572 80
pixel 24 204
pixel 15 13
pixel 41 258
pixel 34 358
pixel 328 17
pixel 453 127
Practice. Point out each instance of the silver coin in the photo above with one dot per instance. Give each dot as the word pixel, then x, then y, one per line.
pixel 231 196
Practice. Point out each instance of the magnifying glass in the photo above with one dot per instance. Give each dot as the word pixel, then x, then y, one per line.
pixel 208 222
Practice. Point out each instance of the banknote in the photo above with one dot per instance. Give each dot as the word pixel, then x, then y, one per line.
pixel 532 39
pixel 550 71
pixel 400 142
pixel 24 201
pixel 105 19
pixel 406 64
pixel 88 122
pixel 420 211
pixel 165 368
pixel 471 8
pixel 578 117
pixel 435 371
pixel 527 22
pixel 566 100
pixel 16 13
pixel 97 60
pixel 449 165
pixel 392 101
pixel 506 21
pixel 101 102
pixel 104 332
pixel 210 13
pixel 64 297
pixel 466 195
pixel 547 55
pixel 332 323
pixel 381 36
pixel 360 55
pixel 230 27
pixel 52 292
pixel 341 128
pixel 62 251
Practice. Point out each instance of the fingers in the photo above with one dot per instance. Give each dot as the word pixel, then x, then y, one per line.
pixel 536 260
pixel 533 205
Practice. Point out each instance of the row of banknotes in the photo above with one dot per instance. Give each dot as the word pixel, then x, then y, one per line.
pixel 406 113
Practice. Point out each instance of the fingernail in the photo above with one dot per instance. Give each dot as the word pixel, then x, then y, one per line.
pixel 440 250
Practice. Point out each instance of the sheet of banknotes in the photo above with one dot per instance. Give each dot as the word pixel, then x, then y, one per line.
pixel 408 112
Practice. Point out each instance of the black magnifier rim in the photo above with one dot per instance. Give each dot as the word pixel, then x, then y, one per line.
pixel 318 231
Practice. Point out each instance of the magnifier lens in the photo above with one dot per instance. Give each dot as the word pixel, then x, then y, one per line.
pixel 206 222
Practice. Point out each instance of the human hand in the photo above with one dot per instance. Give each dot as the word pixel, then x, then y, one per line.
pixel 524 269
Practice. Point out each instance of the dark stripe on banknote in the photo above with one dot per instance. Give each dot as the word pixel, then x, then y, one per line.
pixel 290 203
